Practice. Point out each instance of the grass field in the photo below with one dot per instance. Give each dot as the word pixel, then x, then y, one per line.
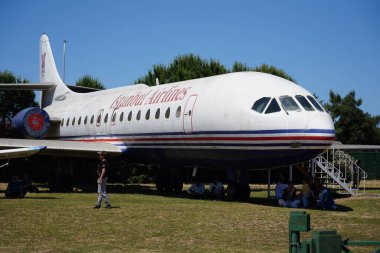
pixel 142 221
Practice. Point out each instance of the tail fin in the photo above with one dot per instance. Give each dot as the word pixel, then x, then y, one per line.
pixel 49 74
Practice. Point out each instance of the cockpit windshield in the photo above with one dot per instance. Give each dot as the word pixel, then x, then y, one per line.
pixel 273 107
pixel 289 104
pixel 315 103
pixel 260 104
pixel 305 104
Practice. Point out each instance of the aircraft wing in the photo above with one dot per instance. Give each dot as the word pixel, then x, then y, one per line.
pixel 62 148
pixel 20 152
pixel 339 145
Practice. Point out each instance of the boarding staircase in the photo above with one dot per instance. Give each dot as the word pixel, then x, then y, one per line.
pixel 339 170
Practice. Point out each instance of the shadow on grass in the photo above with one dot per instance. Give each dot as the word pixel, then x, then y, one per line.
pixel 37 197
pixel 151 190
pixel 32 197
pixel 274 203
pixel 263 201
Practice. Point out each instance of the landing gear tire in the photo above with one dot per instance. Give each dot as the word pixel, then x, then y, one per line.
pixel 239 192
pixel 177 184
pixel 243 192
pixel 168 182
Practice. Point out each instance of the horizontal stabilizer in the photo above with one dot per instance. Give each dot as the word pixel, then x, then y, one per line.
pixel 81 89
pixel 26 86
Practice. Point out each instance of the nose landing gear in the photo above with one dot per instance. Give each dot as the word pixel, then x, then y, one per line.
pixel 238 187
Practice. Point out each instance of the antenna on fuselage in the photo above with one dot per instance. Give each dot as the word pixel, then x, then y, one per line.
pixel 64 60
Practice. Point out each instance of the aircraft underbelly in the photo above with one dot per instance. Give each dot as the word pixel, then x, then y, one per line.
pixel 249 159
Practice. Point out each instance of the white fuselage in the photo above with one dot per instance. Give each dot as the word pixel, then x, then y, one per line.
pixel 203 120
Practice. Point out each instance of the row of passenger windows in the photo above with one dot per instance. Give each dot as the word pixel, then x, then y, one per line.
pixel 270 105
pixel 157 115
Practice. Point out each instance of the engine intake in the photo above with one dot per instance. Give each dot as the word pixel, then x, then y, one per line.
pixel 30 123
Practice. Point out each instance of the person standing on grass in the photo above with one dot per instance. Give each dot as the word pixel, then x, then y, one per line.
pixel 102 181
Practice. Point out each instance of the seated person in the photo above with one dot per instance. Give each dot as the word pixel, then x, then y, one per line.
pixel 14 189
pixel 326 201
pixel 27 185
pixel 316 188
pixel 279 190
pixel 196 190
pixel 216 190
pixel 307 193
pixel 290 194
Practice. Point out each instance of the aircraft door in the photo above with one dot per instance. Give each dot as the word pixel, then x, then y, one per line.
pixel 188 113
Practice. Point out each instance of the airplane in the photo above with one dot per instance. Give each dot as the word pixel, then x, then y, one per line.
pixel 232 121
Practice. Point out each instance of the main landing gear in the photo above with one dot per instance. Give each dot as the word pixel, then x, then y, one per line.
pixel 167 180
pixel 238 188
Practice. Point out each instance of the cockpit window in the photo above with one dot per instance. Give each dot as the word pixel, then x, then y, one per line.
pixel 305 104
pixel 260 104
pixel 289 104
pixel 315 103
pixel 273 107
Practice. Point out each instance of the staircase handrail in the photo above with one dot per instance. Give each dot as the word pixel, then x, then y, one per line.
pixel 329 169
pixel 329 166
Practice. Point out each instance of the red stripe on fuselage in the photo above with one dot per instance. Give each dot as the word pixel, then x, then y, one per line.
pixel 278 138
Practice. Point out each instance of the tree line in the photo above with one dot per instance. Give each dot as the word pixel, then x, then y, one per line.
pixel 352 124
pixel 187 67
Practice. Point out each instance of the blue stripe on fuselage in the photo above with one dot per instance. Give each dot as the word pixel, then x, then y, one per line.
pixel 276 131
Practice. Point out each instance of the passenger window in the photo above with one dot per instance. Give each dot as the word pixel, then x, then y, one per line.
pixel 130 116
pixel 260 104
pixel 73 122
pixel 273 107
pixel 147 115
pixel 121 117
pixel 92 119
pixel 138 115
pixel 178 112
pixel 113 119
pixel 106 118
pixel 289 104
pixel 99 119
pixel 62 122
pixel 67 121
pixel 167 113
pixel 85 120
pixel 157 113
pixel 305 104
pixel 315 103
pixel 79 120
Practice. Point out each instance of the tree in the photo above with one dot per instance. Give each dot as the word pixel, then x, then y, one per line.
pixel 353 126
pixel 11 102
pixel 270 69
pixel 238 66
pixel 89 81
pixel 183 68
pixel 191 66
pixel 264 68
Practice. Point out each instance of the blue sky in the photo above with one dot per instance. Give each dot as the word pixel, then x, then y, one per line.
pixel 323 44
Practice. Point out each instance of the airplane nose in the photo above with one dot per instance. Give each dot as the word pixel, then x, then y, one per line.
pixel 323 124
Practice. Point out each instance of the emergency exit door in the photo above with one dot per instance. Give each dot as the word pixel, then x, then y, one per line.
pixel 188 113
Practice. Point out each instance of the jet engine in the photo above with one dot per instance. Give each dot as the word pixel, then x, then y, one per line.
pixel 30 123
